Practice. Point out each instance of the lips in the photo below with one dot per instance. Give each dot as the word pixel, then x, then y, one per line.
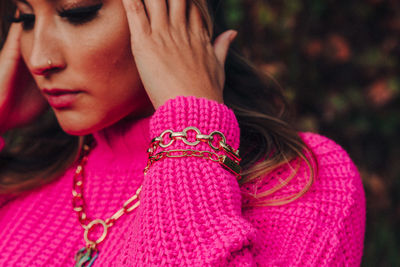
pixel 61 98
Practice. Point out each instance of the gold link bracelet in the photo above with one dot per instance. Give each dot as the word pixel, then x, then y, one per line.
pixel 225 161
pixel 231 161
pixel 173 136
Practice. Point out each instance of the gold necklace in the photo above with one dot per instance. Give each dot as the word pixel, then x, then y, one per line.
pixel 88 254
pixel 231 161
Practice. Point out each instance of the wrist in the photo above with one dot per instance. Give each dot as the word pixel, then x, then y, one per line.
pixel 205 114
pixel 160 100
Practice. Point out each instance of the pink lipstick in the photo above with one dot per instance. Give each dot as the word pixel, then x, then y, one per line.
pixel 61 98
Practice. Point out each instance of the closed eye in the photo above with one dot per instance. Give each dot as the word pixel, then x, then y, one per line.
pixel 80 15
pixel 75 16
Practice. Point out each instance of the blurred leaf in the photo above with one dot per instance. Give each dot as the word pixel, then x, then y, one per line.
pixel 292 7
pixel 266 16
pixel 381 91
pixel 374 57
pixel 394 85
pixel 339 102
pixel 234 12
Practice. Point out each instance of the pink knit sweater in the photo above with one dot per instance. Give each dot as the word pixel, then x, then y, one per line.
pixel 191 210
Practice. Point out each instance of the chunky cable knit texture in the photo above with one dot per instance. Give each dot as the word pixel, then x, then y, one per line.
pixel 192 210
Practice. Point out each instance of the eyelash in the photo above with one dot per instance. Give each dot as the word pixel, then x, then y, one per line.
pixel 75 16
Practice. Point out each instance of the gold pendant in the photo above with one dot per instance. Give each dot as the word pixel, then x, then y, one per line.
pixel 86 257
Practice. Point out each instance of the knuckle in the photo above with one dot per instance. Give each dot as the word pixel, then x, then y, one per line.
pixel 135 6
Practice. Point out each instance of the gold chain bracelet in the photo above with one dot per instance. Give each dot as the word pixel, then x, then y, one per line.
pixel 216 140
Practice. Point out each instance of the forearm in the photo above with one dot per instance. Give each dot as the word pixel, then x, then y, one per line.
pixel 190 210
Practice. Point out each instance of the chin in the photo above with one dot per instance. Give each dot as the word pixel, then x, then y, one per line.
pixel 79 123
pixel 78 126
pixel 77 131
pixel 84 125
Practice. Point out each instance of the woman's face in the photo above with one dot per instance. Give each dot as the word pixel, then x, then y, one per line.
pixel 79 54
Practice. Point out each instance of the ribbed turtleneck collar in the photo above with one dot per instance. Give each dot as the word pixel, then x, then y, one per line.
pixel 123 141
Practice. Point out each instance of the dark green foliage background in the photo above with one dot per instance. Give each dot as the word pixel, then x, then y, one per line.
pixel 338 62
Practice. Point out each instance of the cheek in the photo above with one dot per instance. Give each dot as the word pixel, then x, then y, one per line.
pixel 113 61
pixel 105 64
pixel 105 56
pixel 26 47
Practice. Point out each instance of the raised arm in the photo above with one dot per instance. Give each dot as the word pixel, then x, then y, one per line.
pixel 190 207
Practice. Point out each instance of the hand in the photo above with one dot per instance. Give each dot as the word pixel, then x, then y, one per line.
pixel 20 99
pixel 174 54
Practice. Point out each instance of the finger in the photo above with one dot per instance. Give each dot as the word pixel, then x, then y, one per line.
pixel 12 45
pixel 177 12
pixel 195 19
pixel 222 43
pixel 14 34
pixel 158 13
pixel 137 18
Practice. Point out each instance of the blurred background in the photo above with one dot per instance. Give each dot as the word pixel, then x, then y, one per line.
pixel 339 64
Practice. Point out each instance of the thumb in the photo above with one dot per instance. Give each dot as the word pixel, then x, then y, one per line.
pixel 222 43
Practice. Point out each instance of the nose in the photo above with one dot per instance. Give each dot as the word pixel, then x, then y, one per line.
pixel 45 70
pixel 46 53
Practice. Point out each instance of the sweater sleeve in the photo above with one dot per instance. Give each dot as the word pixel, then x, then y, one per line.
pixel 190 208
pixel 345 227
pixel 325 226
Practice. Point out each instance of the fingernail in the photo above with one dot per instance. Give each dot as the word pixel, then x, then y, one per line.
pixel 233 35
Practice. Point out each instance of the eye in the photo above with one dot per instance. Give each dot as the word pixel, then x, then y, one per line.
pixel 27 20
pixel 80 15
pixel 75 16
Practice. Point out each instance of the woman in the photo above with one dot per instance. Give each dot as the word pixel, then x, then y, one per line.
pixel 153 109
